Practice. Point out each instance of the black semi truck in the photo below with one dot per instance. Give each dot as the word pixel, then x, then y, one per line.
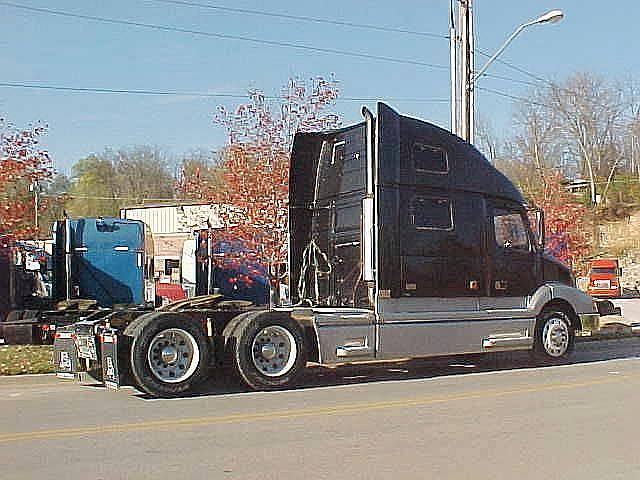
pixel 404 242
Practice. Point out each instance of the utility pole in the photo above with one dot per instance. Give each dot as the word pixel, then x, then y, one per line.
pixel 472 75
pixel 468 75
pixel 453 65
pixel 465 11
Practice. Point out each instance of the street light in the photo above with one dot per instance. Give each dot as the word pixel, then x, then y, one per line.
pixel 468 77
pixel 552 16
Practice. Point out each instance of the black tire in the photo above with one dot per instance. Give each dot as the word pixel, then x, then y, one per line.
pixel 558 320
pixel 248 331
pixel 150 332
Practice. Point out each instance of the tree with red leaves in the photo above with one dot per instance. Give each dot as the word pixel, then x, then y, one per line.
pixel 254 197
pixel 565 220
pixel 22 163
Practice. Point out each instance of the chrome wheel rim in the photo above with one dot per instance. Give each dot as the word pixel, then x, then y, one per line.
pixel 274 351
pixel 555 336
pixel 173 355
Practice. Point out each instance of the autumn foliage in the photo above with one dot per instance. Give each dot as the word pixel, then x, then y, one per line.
pixel 566 234
pixel 22 163
pixel 260 134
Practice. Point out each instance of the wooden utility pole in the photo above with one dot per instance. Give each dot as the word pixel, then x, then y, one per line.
pixel 465 12
pixel 453 66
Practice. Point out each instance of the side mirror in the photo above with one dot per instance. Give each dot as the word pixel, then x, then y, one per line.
pixel 620 272
pixel 540 228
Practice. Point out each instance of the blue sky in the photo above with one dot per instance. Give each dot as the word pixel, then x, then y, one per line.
pixel 36 48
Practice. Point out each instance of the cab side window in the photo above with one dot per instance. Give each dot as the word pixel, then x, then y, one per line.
pixel 510 231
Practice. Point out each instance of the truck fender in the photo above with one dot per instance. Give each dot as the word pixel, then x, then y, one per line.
pixel 231 329
pixel 577 299
pixel 580 303
pixel 305 323
pixel 134 328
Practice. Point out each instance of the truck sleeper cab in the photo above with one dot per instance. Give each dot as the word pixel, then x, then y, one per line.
pixel 404 242
pixel 454 266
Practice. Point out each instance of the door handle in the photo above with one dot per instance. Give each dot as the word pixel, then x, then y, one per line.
pixel 501 284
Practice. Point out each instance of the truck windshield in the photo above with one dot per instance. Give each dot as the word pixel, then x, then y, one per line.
pixel 601 270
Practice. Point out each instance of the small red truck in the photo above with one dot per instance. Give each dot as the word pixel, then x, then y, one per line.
pixel 604 278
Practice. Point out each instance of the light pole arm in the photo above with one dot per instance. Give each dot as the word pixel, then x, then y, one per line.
pixel 517 31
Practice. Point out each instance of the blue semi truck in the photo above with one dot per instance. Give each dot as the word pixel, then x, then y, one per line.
pixel 97 265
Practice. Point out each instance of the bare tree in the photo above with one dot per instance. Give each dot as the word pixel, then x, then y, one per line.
pixel 535 147
pixel 590 114
pixel 632 135
pixel 486 139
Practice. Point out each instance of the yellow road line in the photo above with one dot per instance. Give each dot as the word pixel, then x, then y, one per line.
pixel 292 414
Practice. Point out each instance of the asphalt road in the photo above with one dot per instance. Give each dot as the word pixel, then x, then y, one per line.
pixel 492 417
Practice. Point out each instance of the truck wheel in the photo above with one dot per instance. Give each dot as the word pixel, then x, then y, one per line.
pixel 555 336
pixel 270 352
pixel 170 355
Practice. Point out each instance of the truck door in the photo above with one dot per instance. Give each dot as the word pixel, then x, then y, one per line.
pixel 108 260
pixel 512 257
pixel 441 247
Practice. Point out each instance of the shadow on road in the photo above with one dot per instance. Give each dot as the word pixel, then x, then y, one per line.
pixel 424 368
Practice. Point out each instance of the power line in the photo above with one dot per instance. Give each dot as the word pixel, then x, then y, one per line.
pixel 538 78
pixel 119 91
pixel 513 97
pixel 524 82
pixel 72 89
pixel 71 195
pixel 510 79
pixel 517 69
pixel 273 43
pixel 379 28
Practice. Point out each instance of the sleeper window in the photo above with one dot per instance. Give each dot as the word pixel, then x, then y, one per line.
pixel 427 158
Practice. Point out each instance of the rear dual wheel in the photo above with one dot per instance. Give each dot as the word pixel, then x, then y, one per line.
pixel 269 352
pixel 169 355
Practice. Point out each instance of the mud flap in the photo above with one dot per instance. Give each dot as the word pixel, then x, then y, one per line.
pixel 65 355
pixel 109 351
pixel 87 347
